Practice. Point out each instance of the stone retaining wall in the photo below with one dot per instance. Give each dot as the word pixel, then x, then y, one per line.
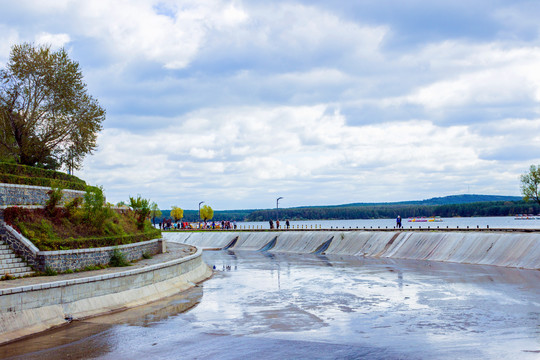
pixel 12 194
pixel 81 258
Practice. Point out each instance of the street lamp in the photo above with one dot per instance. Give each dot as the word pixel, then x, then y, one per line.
pixel 277 207
pixel 202 202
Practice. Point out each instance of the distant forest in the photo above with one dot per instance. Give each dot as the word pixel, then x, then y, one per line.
pixel 450 206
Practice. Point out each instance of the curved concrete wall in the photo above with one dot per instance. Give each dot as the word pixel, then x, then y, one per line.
pixel 34 308
pixel 520 250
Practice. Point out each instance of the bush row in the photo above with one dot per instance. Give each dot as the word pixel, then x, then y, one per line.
pixel 35 172
pixel 96 242
pixel 37 181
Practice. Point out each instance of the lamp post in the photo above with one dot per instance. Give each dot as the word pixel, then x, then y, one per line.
pixel 202 202
pixel 277 207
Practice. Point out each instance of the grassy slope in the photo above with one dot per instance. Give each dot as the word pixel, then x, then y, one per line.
pixel 67 229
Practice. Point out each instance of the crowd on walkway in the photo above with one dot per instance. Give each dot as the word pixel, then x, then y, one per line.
pixel 287 224
pixel 168 224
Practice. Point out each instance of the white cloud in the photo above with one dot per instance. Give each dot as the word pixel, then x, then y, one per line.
pixel 478 75
pixel 233 102
pixel 238 153
pixel 8 37
pixel 54 40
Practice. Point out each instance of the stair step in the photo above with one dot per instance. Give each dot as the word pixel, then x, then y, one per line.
pixel 16 270
pixel 11 266
pixel 21 274
pixel 10 261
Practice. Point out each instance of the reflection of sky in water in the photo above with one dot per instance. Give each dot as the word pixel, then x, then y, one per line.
pixel 387 303
pixel 276 306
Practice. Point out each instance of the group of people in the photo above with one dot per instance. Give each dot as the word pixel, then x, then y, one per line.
pixel 287 224
pixel 168 224
pixel 227 225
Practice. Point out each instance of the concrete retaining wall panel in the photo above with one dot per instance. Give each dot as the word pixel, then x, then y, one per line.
pixel 27 310
pixel 521 250
pixel 296 242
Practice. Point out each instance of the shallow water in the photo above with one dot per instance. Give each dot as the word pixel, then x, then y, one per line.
pixel 275 306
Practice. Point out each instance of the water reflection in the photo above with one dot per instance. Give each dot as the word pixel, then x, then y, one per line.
pixel 271 306
pixel 98 332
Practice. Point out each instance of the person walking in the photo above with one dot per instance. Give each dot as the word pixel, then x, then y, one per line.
pixel 271 224
pixel 287 223
pixel 398 222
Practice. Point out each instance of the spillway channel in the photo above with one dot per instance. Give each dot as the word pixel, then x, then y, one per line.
pixel 269 305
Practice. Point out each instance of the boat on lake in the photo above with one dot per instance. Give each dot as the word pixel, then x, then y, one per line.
pixel 527 217
pixel 425 219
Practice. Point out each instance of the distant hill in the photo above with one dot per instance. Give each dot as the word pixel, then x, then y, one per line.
pixel 445 200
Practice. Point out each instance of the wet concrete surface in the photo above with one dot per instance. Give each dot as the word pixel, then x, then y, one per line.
pixel 276 306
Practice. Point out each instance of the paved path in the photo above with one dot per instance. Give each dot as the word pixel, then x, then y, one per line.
pixel 174 251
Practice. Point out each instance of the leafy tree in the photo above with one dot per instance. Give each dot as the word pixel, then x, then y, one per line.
pixel 207 213
pixel 177 213
pixel 154 212
pixel 141 207
pixel 47 117
pixel 529 184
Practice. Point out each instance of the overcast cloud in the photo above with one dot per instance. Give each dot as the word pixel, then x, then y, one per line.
pixel 238 102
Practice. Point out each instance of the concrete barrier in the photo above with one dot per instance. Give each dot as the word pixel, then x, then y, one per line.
pixel 29 309
pixel 519 250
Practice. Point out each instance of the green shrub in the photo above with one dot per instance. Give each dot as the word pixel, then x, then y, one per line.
pixel 68 271
pixel 35 172
pixel 94 208
pixel 92 242
pixel 94 267
pixel 34 181
pixel 47 230
pixel 142 209
pixel 72 206
pixel 50 272
pixel 118 259
pixel 112 228
pixel 55 196
pixel 146 255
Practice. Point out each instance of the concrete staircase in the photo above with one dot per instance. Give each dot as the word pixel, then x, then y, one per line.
pixel 11 264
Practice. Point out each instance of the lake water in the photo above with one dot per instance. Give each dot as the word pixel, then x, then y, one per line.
pixel 472 222
pixel 287 306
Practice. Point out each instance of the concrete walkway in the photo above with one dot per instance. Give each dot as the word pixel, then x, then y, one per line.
pixel 174 251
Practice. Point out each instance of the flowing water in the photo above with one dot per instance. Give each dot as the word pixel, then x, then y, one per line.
pixel 280 306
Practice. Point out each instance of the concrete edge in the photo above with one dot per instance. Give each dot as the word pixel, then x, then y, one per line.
pixel 16 325
pixel 63 283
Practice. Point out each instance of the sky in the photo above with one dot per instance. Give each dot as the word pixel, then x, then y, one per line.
pixel 237 103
